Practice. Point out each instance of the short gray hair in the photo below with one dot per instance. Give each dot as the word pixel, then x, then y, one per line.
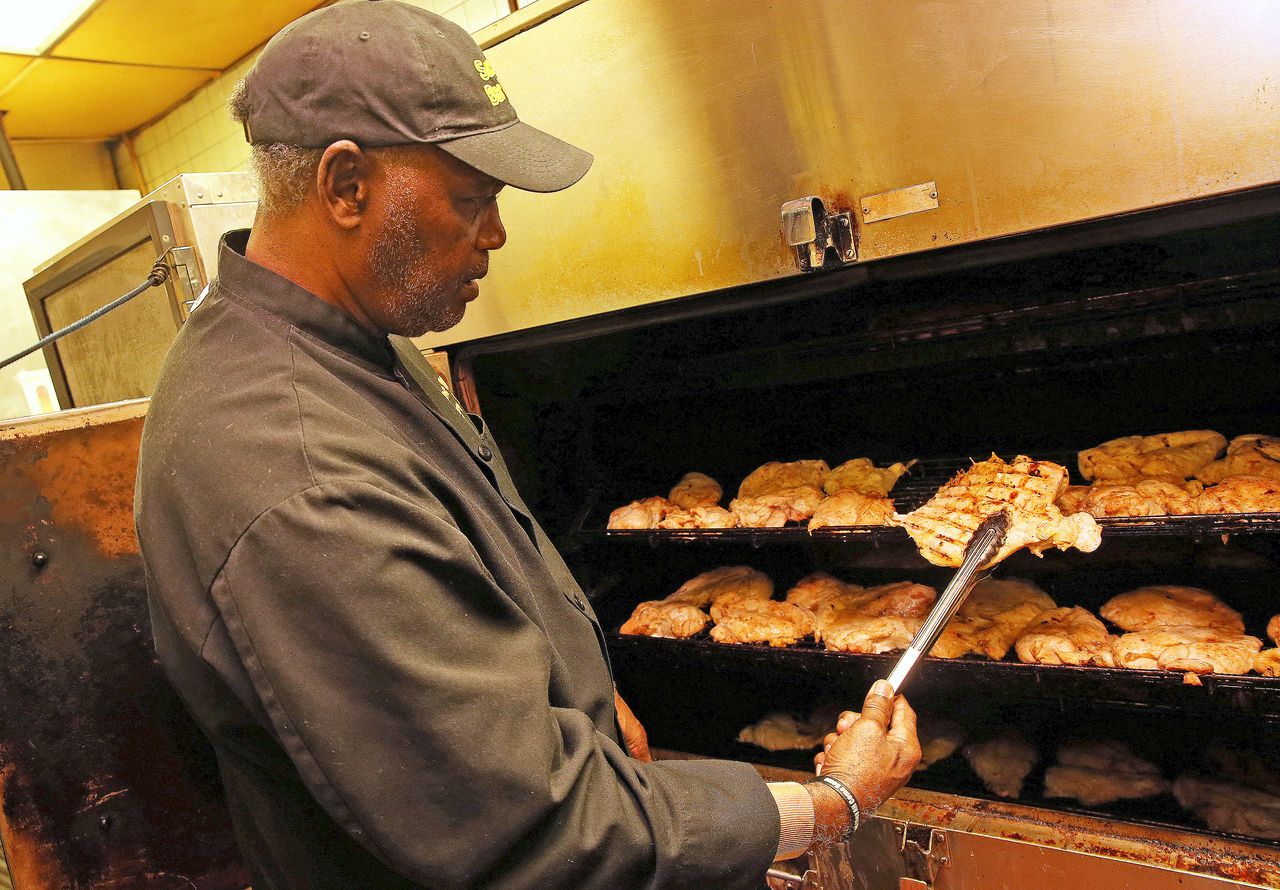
pixel 285 173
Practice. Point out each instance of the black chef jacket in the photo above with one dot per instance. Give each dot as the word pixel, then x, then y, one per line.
pixel 402 682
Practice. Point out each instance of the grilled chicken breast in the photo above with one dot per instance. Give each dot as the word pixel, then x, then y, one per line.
pixel 813 590
pixel 710 587
pixel 661 618
pixel 699 517
pixel 1249 455
pixel 1196 650
pixel 760 621
pixel 776 476
pixel 1161 605
pixel 1144 497
pixel 776 510
pixel 1179 454
pixel 1241 494
pixel 696 490
pixel 1002 763
pixel 864 477
pixel 1068 635
pixel 642 514
pixel 782 732
pixel 851 507
pixel 991 618
pixel 1097 772
pixel 1025 489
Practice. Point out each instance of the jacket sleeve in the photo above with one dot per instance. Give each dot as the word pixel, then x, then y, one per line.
pixel 412 695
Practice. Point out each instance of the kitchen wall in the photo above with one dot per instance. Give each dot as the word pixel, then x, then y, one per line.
pixel 199 137
pixel 63 164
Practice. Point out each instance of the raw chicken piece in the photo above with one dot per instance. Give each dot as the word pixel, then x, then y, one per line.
pixel 760 621
pixel 991 618
pixel 661 618
pixel 813 590
pixel 641 514
pixel 864 477
pixel 1267 662
pixel 700 517
pixel 1072 499
pixel 1241 494
pixel 710 587
pixel 1161 605
pixel 1066 636
pixel 1145 497
pixel 1025 489
pixel 1246 767
pixel 939 739
pixel 1226 806
pixel 775 510
pixel 1196 650
pixel 695 490
pixel 1002 763
pixel 782 732
pixel 870 635
pixel 1102 771
pixel 851 507
pixel 1250 455
pixel 776 477
pixel 1179 454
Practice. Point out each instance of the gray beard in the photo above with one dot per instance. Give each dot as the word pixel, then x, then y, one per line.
pixel 417 302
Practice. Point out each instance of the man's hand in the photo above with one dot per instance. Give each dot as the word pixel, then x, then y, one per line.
pixel 873 753
pixel 632 731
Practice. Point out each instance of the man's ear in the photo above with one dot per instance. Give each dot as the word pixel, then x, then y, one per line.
pixel 342 181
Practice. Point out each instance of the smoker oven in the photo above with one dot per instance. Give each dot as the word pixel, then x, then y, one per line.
pixel 1041 344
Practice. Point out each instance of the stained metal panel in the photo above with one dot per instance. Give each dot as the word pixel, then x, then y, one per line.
pixel 705 118
pixel 105 781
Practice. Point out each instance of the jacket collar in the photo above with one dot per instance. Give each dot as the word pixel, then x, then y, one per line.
pixel 251 283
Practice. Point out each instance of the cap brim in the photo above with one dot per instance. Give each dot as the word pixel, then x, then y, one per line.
pixel 522 156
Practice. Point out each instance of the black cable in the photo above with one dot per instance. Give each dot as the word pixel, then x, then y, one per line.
pixel 159 275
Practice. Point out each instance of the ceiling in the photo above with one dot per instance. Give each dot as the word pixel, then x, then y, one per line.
pixel 126 62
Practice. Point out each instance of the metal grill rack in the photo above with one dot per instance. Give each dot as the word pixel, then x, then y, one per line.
pixel 924 480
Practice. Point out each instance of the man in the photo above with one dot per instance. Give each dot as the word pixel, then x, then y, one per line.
pixel 403 683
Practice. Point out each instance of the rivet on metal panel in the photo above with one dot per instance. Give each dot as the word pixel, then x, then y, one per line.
pixel 199 194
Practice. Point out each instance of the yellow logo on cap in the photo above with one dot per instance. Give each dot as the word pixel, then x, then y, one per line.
pixel 485 69
pixel 497 95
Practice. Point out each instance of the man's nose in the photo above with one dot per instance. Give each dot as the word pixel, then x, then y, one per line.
pixel 492 233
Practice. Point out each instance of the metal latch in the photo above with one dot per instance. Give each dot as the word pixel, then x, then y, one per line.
pixel 186 275
pixel 820 239
pixel 924 854
pixel 807 881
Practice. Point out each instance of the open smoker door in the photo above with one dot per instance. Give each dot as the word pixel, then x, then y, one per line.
pixel 1042 344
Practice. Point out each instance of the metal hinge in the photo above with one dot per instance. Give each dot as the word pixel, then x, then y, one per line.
pixel 807 881
pixel 820 239
pixel 924 854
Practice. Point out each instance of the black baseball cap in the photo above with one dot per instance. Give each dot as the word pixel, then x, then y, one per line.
pixel 382 72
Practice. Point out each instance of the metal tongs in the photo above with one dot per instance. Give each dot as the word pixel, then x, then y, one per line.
pixel 984 544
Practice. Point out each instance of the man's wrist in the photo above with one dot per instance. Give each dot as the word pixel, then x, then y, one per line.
pixel 833 819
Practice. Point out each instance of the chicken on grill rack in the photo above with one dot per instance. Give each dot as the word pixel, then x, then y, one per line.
pixel 813 590
pixel 776 477
pixel 699 517
pixel 851 507
pixel 1229 806
pixel 1143 497
pixel 852 611
pixel 642 514
pixel 709 588
pixel 1249 455
pixel 1003 763
pixel 696 490
pixel 1161 605
pixel 760 621
pixel 1267 662
pixel 863 476
pixel 1179 455
pixel 1101 771
pixel 1025 489
pixel 1194 650
pixel 662 618
pixel 1241 494
pixel 1069 635
pixel 780 731
pixel 776 510
pixel 991 618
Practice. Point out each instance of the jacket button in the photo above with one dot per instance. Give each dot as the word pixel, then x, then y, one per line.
pixel 484 452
